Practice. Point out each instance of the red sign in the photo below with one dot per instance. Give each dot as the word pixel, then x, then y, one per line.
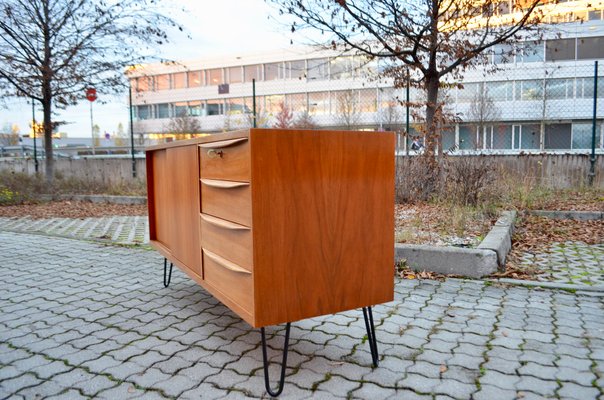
pixel 91 94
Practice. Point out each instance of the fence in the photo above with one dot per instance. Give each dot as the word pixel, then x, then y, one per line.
pixel 552 170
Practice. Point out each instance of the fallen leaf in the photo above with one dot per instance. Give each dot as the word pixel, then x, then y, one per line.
pixel 443 368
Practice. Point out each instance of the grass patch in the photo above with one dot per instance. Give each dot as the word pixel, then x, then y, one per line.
pixel 19 188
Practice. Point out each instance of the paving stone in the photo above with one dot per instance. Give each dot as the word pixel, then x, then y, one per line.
pixel 419 384
pixel 503 381
pixel 571 390
pixel 545 388
pixel 455 389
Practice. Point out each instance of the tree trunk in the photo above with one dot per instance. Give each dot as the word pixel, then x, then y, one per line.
pixel 46 106
pixel 432 125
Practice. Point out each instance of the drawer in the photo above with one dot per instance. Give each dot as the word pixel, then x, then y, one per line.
pixel 229 240
pixel 227 200
pixel 230 279
pixel 225 160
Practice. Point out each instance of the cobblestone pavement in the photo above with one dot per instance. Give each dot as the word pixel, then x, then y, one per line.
pixel 118 229
pixel 88 320
pixel 574 263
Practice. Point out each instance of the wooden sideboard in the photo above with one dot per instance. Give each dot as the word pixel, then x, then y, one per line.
pixel 279 225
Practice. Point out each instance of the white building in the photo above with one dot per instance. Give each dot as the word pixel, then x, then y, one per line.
pixel 542 99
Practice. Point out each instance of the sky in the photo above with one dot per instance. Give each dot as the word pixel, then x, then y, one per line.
pixel 216 28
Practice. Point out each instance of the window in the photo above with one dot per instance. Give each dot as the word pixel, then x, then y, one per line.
pixel 235 75
pixel 318 69
pixel 195 108
pixel 236 106
pixel 181 109
pixel 297 69
pixel 467 137
pixel 557 136
pixel 467 93
pixel 595 15
pixel 318 103
pixel 368 100
pixel 590 48
pixel 448 140
pixel 530 135
pixel 195 78
pixel 502 137
pixel 273 71
pixel 144 84
pixel 560 49
pixel 215 107
pixel 341 68
pixel 529 90
pixel 499 91
pixel 503 53
pixel 582 136
pixel 297 102
pixel 144 112
pixel 558 89
pixel 252 72
pixel 162 82
pixel 178 80
pixel 163 110
pixel 273 103
pixel 532 51
pixel 214 76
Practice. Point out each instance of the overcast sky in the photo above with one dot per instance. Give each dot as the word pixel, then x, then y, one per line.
pixel 216 28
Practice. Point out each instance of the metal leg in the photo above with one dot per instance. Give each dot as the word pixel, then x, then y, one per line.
pixel 167 282
pixel 283 363
pixel 371 335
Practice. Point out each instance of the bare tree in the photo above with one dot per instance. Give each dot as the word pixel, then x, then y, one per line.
pixel 305 121
pixel 348 109
pixel 9 135
pixel 482 112
pixel 434 38
pixel 52 50
pixel 284 118
pixel 183 124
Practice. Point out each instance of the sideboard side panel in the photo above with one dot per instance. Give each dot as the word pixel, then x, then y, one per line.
pixel 323 211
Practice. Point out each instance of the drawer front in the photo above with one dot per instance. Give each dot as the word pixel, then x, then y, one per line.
pixel 227 200
pixel 225 160
pixel 231 280
pixel 230 241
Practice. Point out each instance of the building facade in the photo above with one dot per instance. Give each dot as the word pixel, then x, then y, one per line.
pixel 541 99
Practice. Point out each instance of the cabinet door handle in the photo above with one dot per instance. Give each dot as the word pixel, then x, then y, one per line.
pixel 225 263
pixel 224 223
pixel 223 184
pixel 213 153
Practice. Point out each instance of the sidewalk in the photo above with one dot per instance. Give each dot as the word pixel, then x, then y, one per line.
pixel 80 319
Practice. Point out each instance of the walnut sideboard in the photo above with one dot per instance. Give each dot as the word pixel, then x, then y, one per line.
pixel 278 224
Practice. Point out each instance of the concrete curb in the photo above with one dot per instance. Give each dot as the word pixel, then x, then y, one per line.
pixel 550 285
pixel 98 198
pixel 474 263
pixel 576 215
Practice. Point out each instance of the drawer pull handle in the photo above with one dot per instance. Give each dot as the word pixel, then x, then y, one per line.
pixel 213 153
pixel 224 223
pixel 223 184
pixel 225 263
pixel 223 143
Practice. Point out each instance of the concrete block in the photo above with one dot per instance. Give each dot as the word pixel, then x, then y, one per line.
pixel 499 239
pixel 473 263
pixel 570 214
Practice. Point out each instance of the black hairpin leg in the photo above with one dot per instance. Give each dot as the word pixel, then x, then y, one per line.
pixel 283 363
pixel 371 335
pixel 167 282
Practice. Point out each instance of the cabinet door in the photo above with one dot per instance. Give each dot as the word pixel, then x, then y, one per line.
pixel 158 197
pixel 183 206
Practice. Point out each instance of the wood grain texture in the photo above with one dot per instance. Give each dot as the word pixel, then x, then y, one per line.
pixel 236 286
pixel 233 244
pixel 158 197
pixel 230 162
pixel 227 199
pixel 323 211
